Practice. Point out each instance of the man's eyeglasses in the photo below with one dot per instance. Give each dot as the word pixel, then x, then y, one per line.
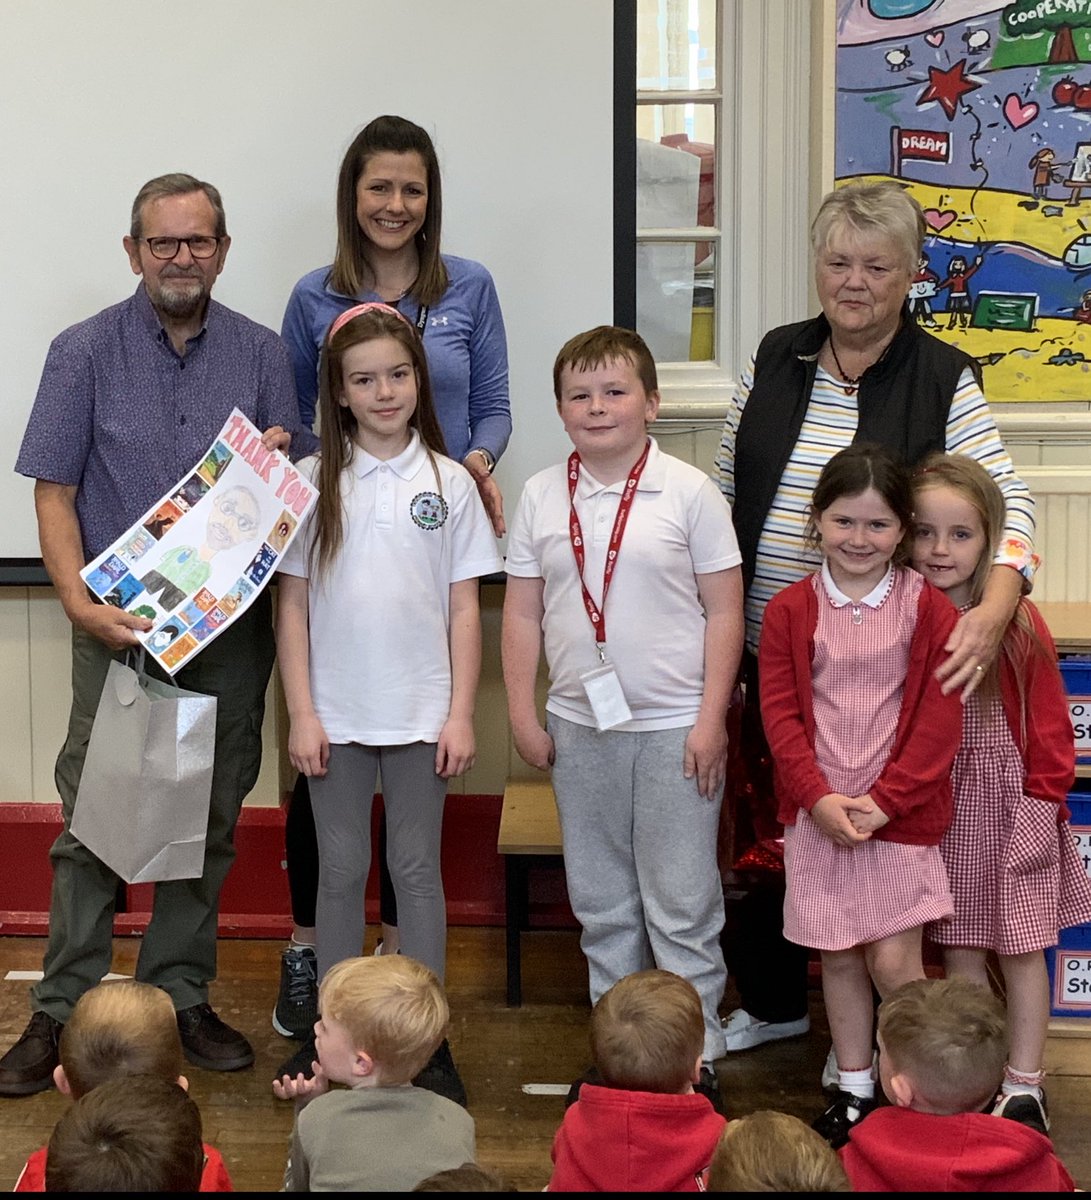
pixel 167 248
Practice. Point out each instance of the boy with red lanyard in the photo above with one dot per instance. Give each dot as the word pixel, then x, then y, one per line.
pixel 625 559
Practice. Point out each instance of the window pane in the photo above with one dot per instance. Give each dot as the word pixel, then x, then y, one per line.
pixel 675 166
pixel 675 300
pixel 676 45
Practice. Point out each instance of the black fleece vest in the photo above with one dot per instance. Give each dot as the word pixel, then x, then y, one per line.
pixel 904 402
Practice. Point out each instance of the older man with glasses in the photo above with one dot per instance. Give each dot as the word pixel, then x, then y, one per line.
pixel 128 401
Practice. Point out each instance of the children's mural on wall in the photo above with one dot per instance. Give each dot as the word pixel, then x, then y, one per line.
pixel 983 110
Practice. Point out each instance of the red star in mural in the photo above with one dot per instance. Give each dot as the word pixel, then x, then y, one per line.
pixel 948 87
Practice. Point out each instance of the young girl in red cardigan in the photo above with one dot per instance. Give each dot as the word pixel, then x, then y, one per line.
pixel 862 741
pixel 1010 855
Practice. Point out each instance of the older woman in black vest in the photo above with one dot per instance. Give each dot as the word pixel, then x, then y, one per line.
pixel 861 370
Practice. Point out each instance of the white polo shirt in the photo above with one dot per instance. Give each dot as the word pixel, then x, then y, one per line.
pixel 380 662
pixel 679 527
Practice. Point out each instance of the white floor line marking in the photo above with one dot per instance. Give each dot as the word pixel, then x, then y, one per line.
pixel 546 1089
pixel 34 976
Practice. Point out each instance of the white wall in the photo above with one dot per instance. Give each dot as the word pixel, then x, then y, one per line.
pixel 261 97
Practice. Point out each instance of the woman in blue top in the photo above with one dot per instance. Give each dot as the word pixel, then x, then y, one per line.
pixel 389 206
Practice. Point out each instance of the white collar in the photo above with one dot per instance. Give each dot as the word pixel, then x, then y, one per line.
pixel 873 599
pixel 651 478
pixel 405 465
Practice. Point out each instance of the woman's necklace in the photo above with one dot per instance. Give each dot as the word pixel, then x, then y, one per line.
pixel 848 382
pixel 395 299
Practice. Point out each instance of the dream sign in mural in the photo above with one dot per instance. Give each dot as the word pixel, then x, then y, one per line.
pixel 983 111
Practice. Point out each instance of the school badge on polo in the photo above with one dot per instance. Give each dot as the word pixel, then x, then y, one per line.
pixel 428 510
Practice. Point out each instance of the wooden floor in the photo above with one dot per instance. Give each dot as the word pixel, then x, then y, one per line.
pixel 499 1050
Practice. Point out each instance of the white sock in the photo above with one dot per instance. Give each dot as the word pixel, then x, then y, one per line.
pixel 857 1083
pixel 294 945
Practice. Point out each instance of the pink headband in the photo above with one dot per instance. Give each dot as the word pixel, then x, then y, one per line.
pixel 359 310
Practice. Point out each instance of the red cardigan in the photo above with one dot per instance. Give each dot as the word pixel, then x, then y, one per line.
pixel 1041 725
pixel 914 788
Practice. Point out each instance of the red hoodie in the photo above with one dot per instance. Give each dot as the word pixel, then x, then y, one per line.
pixel 617 1141
pixel 900 1150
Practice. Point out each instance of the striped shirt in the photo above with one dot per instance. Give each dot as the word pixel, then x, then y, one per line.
pixel 783 555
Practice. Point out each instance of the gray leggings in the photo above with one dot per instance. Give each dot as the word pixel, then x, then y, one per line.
pixel 413 796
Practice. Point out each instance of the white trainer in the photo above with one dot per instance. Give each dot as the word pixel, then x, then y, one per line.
pixel 743 1032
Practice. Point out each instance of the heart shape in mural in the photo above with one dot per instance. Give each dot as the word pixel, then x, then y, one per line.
pixel 935 38
pixel 939 220
pixel 1017 113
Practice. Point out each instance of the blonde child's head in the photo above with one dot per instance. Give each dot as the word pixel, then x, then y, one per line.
pixel 647 1033
pixel 602 345
pixel 118 1029
pixel 774 1152
pixel 942 1045
pixel 969 479
pixel 392 1007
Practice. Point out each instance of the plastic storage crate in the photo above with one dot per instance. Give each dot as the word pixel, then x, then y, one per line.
pixel 1076 673
pixel 1069 962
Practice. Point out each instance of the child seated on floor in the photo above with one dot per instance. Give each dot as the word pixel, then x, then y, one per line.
pixel 942 1048
pixel 645 1129
pixel 117 1030
pixel 774 1152
pixel 135 1134
pixel 380 1020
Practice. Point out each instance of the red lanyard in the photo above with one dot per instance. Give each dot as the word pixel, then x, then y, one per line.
pixel 575 533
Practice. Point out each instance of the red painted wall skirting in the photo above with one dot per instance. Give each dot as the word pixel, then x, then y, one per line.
pixel 255 900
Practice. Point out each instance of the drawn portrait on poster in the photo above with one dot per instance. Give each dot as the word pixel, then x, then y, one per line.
pixel 982 109
pixel 202 554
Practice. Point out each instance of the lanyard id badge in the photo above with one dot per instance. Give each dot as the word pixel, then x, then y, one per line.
pixel 605 696
pixel 603 688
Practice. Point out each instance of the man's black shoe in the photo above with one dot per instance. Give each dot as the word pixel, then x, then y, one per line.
pixel 28 1066
pixel 208 1042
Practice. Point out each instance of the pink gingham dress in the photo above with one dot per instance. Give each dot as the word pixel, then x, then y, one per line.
pixel 838 896
pixel 1015 874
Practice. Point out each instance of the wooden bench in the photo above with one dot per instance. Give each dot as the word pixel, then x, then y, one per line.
pixel 530 835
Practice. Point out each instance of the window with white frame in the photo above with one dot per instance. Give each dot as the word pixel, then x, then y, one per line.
pixel 722 186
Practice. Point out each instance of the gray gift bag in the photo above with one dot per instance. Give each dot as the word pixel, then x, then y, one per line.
pixel 142 804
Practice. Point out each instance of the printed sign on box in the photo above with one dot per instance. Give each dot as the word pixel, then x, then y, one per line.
pixel 1072 979
pixel 202 554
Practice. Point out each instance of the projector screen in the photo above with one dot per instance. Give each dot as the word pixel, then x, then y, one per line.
pixel 261 98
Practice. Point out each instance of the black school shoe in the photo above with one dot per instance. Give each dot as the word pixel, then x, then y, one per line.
pixel 211 1043
pixel 301 1063
pixel 592 1076
pixel 28 1066
pixel 1025 1108
pixel 846 1111
pixel 709 1086
pixel 440 1075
